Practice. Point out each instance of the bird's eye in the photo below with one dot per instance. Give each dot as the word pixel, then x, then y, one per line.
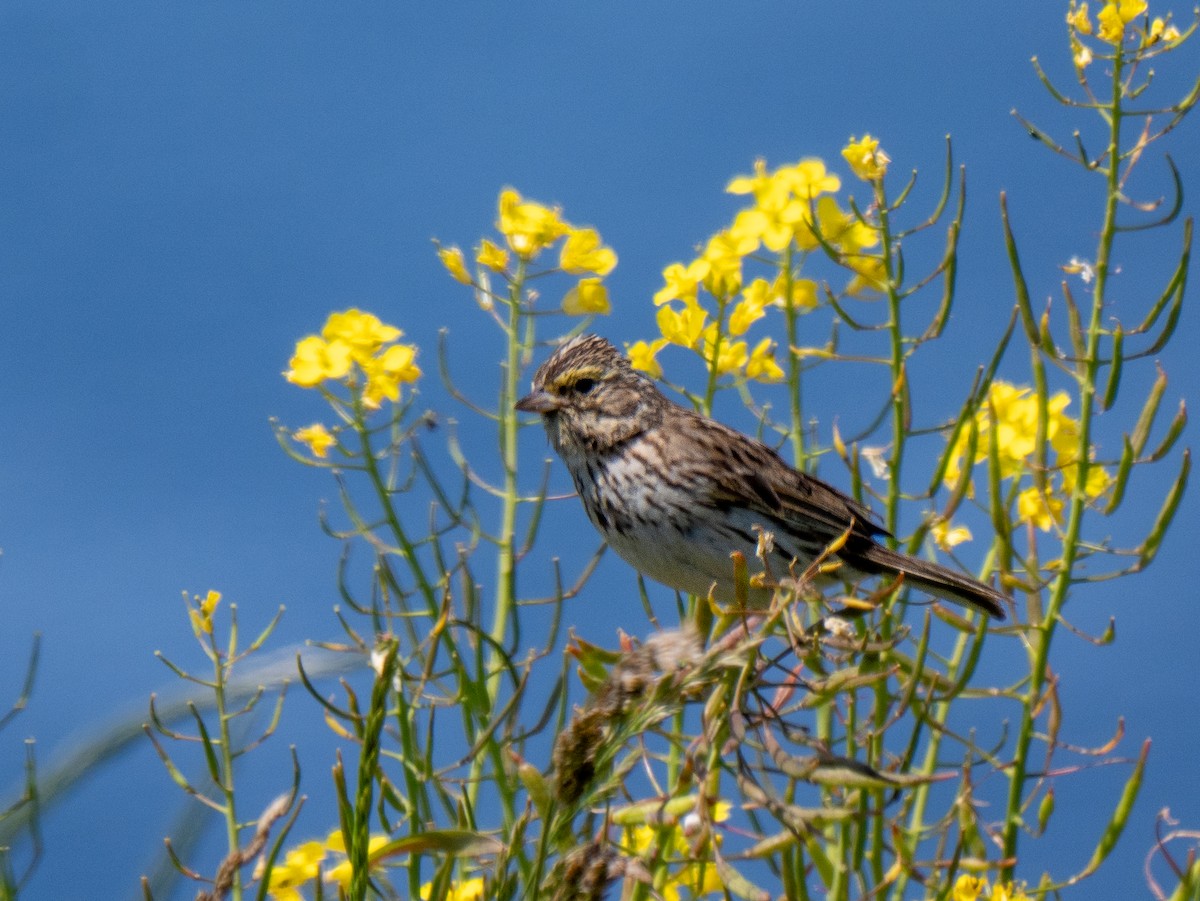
pixel 583 386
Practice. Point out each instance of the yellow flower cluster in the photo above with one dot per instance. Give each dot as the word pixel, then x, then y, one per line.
pixel 792 210
pixel 690 869
pixel 318 439
pixel 1112 24
pixel 947 536
pixel 355 348
pixel 972 888
pixel 302 864
pixel 1013 412
pixel 467 890
pixel 202 613
pixel 865 158
pixel 529 228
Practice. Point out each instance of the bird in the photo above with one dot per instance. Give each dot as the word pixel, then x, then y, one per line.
pixel 674 492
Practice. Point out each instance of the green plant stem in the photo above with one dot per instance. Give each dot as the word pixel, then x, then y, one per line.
pixel 1042 632
pixel 229 805
pixel 710 387
pixel 358 845
pixel 384 492
pixel 920 795
pixel 879 824
pixel 506 573
pixel 895 364
pixel 506 556
pixel 795 397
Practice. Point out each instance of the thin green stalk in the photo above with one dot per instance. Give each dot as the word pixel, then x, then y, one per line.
pixel 229 807
pixel 1087 370
pixel 383 492
pixel 920 794
pixel 358 844
pixel 879 823
pixel 795 398
pixel 506 574
pixel 517 346
pixel 710 387
pixel 895 364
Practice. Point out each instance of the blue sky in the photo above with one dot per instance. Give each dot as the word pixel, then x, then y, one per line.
pixel 186 189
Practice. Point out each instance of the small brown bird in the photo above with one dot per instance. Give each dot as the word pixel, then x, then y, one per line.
pixel 674 493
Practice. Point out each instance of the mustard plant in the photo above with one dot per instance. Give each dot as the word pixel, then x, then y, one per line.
pixel 816 748
pixel 221 744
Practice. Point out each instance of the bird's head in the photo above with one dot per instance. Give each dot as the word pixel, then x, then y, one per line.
pixel 590 398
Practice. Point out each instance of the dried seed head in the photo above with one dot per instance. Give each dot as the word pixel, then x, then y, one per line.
pixel 584 873
pixel 574 756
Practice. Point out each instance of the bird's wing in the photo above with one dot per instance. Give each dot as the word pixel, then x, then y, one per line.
pixel 759 478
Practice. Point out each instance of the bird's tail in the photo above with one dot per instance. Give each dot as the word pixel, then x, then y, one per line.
pixel 933 578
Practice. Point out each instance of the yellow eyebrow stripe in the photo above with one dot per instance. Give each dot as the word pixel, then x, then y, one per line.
pixel 574 375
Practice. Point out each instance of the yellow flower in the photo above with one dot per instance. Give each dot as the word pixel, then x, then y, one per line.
pixel 588 297
pixel 968 888
pixel 1015 414
pixel 342 872
pixel 834 227
pixel 761 365
pixel 1081 53
pixel 317 437
pixel 948 537
pixel 350 337
pixel 201 615
pixel 642 356
pixel 452 259
pixel 699 878
pixel 582 252
pixel 866 160
pixel 300 865
pixel 682 327
pixel 778 230
pixel 1098 480
pixel 681 282
pixel 1077 18
pixel 1039 509
pixel 808 179
pixel 759 294
pixel 732 356
pixel 1112 27
pixel 804 294
pixel 724 253
pixel 692 868
pixel 1014 411
pixel 870 274
pixel 782 203
pixel 1161 30
pixel 492 256
pixel 1113 18
pixel 362 332
pixel 387 372
pixel 751 223
pixel 747 311
pixel 1062 430
pixel 757 184
pixel 529 227
pixel 856 235
pixel 747 230
pixel 1008 892
pixel 316 360
pixel 469 890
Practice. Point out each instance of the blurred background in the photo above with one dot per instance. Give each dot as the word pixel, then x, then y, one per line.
pixel 187 189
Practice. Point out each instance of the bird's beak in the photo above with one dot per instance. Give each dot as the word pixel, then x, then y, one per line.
pixel 538 402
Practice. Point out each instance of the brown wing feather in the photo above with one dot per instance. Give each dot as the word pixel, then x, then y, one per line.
pixel 760 478
pixel 757 473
